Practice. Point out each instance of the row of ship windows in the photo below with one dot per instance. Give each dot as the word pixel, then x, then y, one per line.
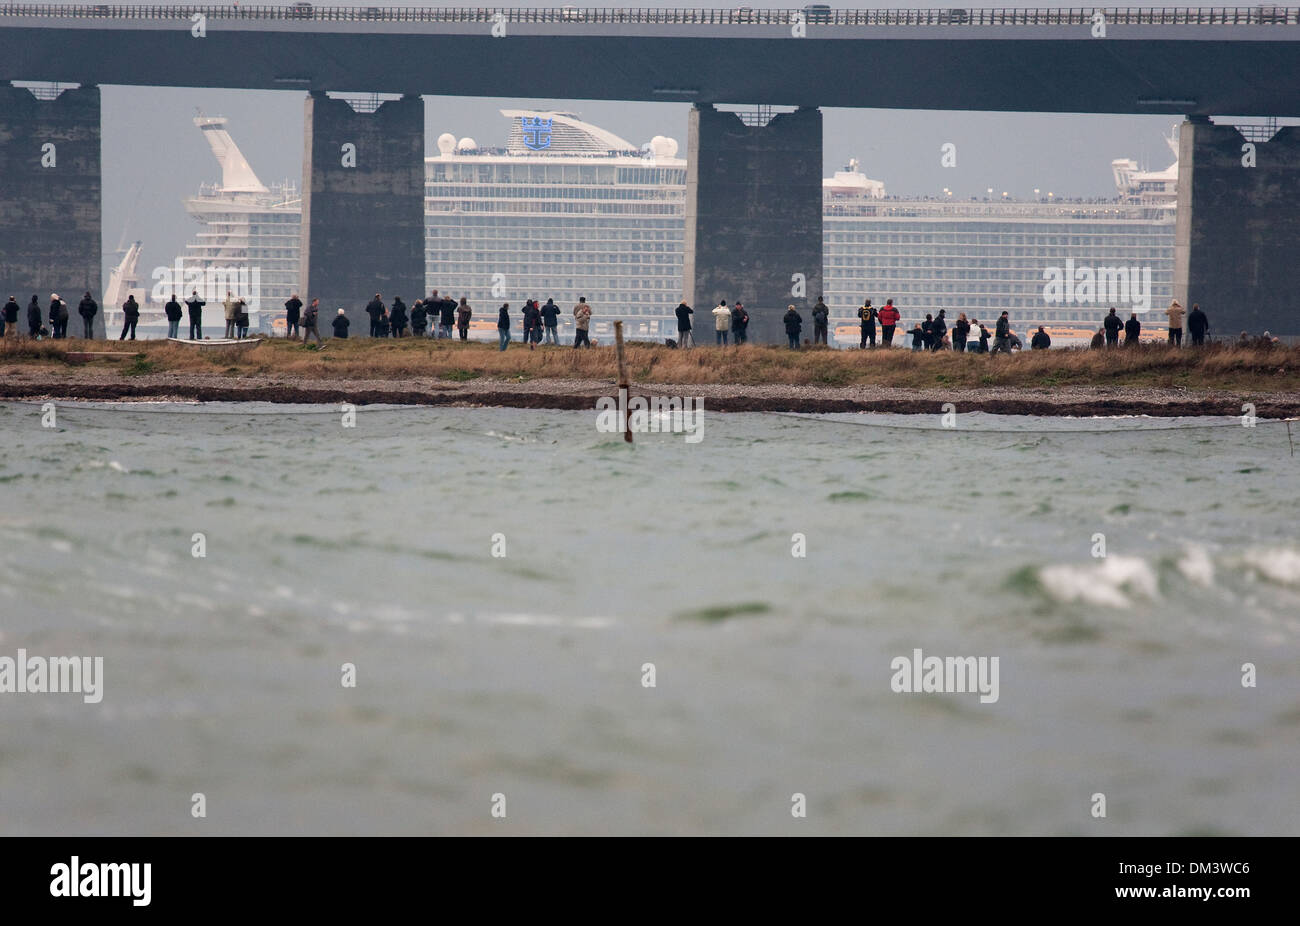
pixel 555 173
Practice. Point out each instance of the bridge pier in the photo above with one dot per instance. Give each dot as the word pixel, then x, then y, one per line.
pixel 362 207
pixel 1238 228
pixel 753 218
pixel 51 193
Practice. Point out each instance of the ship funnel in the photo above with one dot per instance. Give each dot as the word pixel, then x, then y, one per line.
pixel 236 174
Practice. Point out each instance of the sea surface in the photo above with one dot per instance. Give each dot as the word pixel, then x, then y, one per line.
pixel 520 683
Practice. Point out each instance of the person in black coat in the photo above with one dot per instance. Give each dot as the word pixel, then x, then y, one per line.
pixel 397 317
pixel 1041 340
pixel 1112 324
pixel 174 313
pixel 684 336
pixel 58 317
pixel 1197 325
pixel 532 323
pixel 960 332
pixel 340 324
pixel 793 325
pixel 551 322
pixel 446 317
pixel 1132 328
pixel 503 324
pixel 419 319
pixel 292 317
pixel 927 332
pixel 88 308
pixel 33 317
pixel 938 330
pixel 130 316
pixel 196 305
pixel 868 316
pixel 11 312
pixel 375 309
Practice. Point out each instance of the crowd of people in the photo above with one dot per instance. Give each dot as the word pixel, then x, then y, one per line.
pixel 440 316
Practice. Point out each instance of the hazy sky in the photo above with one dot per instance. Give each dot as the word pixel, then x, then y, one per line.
pixel 154 156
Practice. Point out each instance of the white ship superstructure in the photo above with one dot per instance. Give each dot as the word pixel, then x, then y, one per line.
pixel 566 209
pixel 249 242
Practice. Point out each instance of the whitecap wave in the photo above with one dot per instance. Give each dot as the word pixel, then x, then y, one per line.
pixel 1112 582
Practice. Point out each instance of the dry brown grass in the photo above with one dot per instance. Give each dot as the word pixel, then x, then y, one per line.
pixel 1275 370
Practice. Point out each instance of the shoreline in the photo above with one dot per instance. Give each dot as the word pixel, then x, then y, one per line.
pixel 580 395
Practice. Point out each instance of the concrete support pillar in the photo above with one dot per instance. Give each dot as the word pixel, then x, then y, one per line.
pixel 1238 229
pixel 753 218
pixel 362 207
pixel 51 192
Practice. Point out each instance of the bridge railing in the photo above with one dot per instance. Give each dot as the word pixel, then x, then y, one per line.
pixel 817 16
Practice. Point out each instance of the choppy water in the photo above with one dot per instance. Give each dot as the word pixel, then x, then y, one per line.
pixel 522 675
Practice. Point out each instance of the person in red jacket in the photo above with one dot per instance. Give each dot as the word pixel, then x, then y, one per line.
pixel 888 319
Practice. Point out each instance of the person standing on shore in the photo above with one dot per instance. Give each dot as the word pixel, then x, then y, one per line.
pixel 293 316
pixel 446 317
pixel 463 315
pixel 721 323
pixel 1112 324
pixel 375 309
pixel 88 308
pixel 927 332
pixel 33 317
pixel 419 319
pixel 340 324
pixel 889 317
pixel 1041 340
pixel 739 324
pixel 1132 328
pixel 58 317
pixel 582 319
pixel 174 314
pixel 683 313
pixel 960 332
pixel 868 316
pixel 228 311
pixel 310 320
pixel 503 325
pixel 1175 313
pixel 532 323
pixel 196 315
pixel 11 310
pixel 918 336
pixel 821 321
pixel 1002 335
pixel 793 326
pixel 397 317
pixel 1198 324
pixel 551 322
pixel 130 315
pixel 938 330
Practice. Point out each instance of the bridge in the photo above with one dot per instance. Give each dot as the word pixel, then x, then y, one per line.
pixel 754 199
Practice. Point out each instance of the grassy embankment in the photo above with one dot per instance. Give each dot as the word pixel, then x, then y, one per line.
pixel 1276 370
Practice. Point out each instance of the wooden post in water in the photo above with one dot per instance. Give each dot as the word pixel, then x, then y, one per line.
pixel 622 381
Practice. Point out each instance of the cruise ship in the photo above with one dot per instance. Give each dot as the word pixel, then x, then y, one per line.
pixel 248 243
pixel 566 209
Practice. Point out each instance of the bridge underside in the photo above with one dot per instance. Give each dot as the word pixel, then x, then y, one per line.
pixel 1117 75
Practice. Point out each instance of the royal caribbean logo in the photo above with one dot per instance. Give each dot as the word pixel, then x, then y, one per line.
pixel 537 132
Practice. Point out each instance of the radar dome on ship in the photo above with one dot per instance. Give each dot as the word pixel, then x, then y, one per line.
pixel 467 144
pixel 446 143
pixel 663 147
